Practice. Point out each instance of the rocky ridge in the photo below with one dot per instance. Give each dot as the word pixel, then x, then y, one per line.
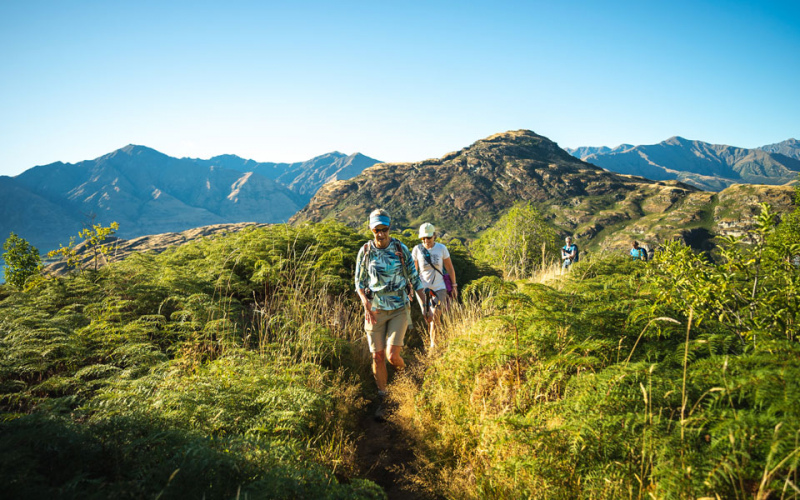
pixel 120 248
pixel 464 192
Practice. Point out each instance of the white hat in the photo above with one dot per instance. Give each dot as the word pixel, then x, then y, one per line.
pixel 426 230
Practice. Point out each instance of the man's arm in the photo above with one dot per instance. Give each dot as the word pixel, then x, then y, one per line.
pixel 369 314
pixel 361 284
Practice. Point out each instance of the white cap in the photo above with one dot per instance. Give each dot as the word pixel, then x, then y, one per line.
pixel 426 230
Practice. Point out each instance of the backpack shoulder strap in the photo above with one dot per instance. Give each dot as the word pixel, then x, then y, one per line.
pixel 399 253
pixel 367 248
pixel 365 257
pixel 427 255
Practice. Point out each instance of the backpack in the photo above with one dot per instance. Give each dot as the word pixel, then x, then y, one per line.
pixel 577 252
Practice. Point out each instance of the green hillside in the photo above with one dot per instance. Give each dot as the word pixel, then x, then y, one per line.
pixel 228 366
pixel 676 378
pixel 234 366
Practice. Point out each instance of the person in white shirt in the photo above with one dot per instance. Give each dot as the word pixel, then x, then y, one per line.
pixel 435 269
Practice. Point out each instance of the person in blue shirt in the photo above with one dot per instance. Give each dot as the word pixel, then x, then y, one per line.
pixel 385 277
pixel 637 252
pixel 569 253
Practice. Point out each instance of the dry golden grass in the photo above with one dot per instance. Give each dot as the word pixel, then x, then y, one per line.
pixel 429 474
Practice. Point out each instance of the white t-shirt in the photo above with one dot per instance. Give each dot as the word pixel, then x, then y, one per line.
pixel 430 278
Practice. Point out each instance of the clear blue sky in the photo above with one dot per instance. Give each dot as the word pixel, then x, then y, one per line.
pixel 397 81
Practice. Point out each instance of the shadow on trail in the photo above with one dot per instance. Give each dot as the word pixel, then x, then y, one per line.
pixel 385 455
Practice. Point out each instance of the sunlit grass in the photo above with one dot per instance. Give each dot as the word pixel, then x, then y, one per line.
pixel 577 385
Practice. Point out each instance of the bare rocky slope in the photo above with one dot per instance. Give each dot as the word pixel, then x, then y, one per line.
pixel 303 178
pixel 789 148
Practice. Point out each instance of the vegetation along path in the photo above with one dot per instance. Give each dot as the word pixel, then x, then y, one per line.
pixel 233 367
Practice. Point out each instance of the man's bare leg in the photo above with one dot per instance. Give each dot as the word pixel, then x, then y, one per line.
pixel 379 369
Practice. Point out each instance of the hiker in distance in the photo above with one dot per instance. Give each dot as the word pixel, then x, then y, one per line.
pixel 435 268
pixel 637 252
pixel 569 253
pixel 385 278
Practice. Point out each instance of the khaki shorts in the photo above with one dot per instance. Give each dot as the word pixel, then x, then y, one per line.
pixel 389 325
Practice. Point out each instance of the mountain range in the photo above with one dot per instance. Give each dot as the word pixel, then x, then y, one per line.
pixel 708 166
pixel 303 178
pixel 466 191
pixel 148 192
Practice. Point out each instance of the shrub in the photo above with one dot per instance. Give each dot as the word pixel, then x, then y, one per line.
pixel 519 243
pixel 629 381
pixel 22 260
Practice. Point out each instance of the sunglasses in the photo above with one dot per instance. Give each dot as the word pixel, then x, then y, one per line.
pixel 427 237
pixel 380 230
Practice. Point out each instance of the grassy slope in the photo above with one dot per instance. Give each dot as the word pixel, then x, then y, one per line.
pixel 220 368
pixel 575 390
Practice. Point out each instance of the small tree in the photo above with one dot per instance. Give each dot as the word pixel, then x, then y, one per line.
pixel 517 243
pixel 22 260
pixel 94 237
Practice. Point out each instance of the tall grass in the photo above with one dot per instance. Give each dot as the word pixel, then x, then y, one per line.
pixel 230 367
pixel 590 387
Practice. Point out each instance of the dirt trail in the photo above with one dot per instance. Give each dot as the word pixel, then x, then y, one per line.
pixel 383 456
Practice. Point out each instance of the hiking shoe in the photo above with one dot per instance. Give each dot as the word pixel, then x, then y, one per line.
pixel 380 413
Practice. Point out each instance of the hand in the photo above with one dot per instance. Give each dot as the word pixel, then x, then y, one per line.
pixel 454 292
pixel 369 315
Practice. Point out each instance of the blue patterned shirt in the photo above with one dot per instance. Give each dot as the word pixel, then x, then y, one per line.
pixel 382 273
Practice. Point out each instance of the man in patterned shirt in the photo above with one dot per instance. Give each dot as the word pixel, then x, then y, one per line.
pixel 385 275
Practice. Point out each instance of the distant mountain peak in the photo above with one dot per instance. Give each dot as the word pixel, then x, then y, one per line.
pixel 678 140
pixel 132 150
pixel 136 149
pixel 789 148
pixel 226 157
